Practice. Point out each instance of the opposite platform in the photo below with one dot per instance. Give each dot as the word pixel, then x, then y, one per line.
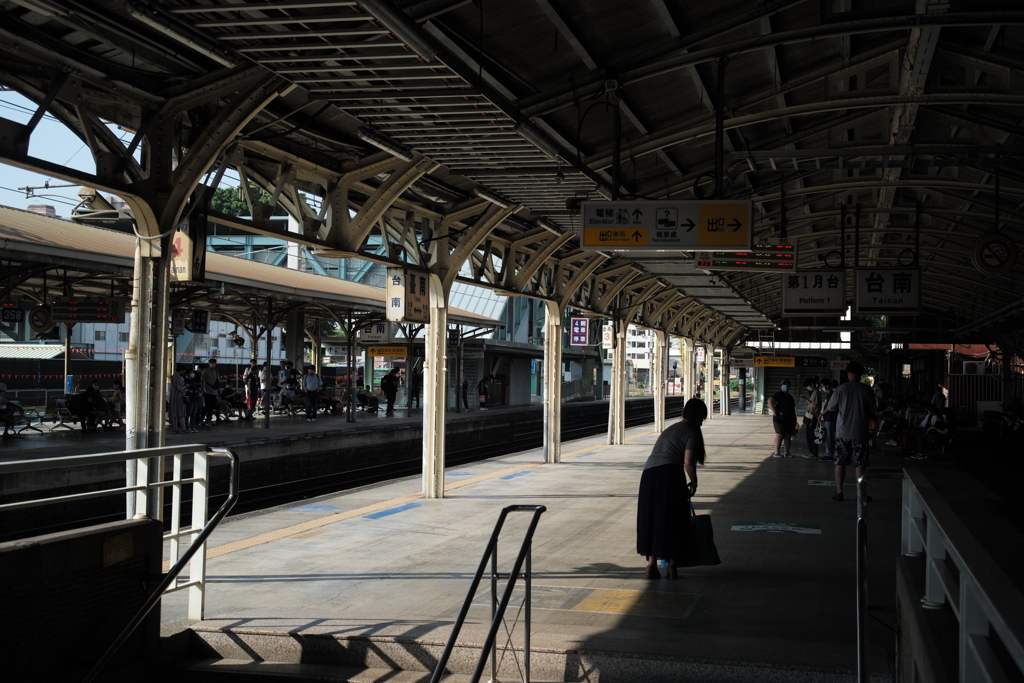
pixel 379 573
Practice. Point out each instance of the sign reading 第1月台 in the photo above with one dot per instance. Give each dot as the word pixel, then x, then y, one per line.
pixel 607 336
pixel 887 291
pixel 674 225
pixel 407 293
pixel 774 362
pixel 579 332
pixel 815 292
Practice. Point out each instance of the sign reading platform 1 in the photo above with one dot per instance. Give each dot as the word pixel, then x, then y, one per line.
pixel 682 225
pixel 813 292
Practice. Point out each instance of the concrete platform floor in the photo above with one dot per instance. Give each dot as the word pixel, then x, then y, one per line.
pixel 381 561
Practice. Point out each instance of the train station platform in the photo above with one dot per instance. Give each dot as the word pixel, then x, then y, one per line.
pixel 371 579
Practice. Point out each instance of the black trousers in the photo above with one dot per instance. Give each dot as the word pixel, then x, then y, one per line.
pixel 390 396
pixel 210 407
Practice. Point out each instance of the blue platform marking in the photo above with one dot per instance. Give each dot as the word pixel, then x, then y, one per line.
pixel 515 474
pixel 315 508
pixel 458 474
pixel 392 511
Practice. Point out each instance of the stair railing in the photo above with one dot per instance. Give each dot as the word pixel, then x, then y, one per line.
pixel 498 608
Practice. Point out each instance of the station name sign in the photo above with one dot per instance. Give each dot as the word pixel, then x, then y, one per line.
pixel 887 291
pixel 677 225
pixel 407 292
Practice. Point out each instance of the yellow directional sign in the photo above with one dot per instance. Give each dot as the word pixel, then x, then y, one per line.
pixel 670 225
pixel 774 362
pixel 387 351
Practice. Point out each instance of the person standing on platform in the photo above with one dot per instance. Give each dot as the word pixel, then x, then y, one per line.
pixel 939 398
pixel 663 527
pixel 828 422
pixel 311 384
pixel 389 386
pixel 484 388
pixel 177 406
pixel 209 380
pixel 854 405
pixel 783 407
pixel 813 401
pixel 465 392
pixel 416 385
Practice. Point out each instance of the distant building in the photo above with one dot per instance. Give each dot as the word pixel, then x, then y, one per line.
pixel 45 209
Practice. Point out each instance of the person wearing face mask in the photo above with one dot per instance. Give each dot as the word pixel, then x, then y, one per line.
pixel 828 422
pixel 783 407
pixel 813 401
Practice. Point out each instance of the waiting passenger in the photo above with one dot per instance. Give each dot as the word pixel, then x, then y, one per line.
pixel 389 385
pixel 116 399
pixel 663 527
pixel 813 401
pixel 209 381
pixel 783 407
pixel 484 389
pixel 828 422
pixel 311 385
pixel 854 404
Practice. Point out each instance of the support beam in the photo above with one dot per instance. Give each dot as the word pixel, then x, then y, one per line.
pixel 659 372
pixel 709 380
pixel 617 400
pixel 435 372
pixel 552 382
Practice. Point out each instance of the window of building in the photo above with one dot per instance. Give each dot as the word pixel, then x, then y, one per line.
pixel 122 337
pixel 100 335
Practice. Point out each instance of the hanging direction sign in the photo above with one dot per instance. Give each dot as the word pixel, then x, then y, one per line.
pixel 376 333
pixel 774 361
pixel 679 225
pixel 387 351
pixel 887 290
pixel 607 336
pixel 407 295
pixel 814 292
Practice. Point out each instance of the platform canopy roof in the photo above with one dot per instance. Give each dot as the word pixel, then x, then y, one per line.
pixel 905 113
pixel 48 257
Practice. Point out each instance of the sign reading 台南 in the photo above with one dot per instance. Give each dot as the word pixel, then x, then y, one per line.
pixel 684 225
pixel 407 293
pixel 579 331
pixel 188 249
pixel 816 292
pixel 607 336
pixel 774 362
pixel 376 333
pixel 887 290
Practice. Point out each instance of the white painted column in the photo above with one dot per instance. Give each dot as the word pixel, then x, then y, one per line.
pixel 726 369
pixel 617 402
pixel 688 373
pixel 709 380
pixel 659 372
pixel 434 385
pixel 552 382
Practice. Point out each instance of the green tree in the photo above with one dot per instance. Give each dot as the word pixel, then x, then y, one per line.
pixel 226 200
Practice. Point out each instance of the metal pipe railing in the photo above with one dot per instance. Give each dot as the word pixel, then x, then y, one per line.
pixel 172 574
pixel 862 567
pixel 200 482
pixel 497 610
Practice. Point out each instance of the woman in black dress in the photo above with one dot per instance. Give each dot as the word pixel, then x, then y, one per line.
pixel 663 509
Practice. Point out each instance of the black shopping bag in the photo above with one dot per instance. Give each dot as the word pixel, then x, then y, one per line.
pixel 703 551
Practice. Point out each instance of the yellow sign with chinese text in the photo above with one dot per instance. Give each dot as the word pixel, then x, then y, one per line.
pixel 387 351
pixel 774 362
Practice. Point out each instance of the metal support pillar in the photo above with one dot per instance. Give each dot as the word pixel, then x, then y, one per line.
pixel 617 405
pixel 726 410
pixel 552 382
pixel 295 338
pixel 660 378
pixel 687 363
pixel 434 385
pixel 709 380
pixel 318 350
pixel 742 388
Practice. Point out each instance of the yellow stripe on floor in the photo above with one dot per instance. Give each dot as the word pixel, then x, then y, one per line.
pixel 311 524
pixel 614 601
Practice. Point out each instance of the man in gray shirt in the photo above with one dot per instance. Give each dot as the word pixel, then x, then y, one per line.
pixel 854 404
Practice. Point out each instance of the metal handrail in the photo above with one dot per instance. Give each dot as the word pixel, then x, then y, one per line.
pixel 498 613
pixel 16 466
pixel 172 573
pixel 862 567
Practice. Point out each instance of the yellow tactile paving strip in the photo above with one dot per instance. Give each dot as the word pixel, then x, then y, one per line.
pixel 311 524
